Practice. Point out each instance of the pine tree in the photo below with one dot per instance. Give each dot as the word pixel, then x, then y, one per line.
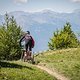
pixel 64 38
pixel 10 34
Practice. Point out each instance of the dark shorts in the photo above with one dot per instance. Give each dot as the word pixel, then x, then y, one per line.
pixel 29 46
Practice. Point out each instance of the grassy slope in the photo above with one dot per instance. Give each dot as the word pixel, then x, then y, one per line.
pixel 65 61
pixel 17 70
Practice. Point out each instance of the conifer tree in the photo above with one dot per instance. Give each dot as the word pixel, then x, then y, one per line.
pixel 10 33
pixel 64 38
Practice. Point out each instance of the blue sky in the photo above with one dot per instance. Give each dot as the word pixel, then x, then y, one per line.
pixel 38 5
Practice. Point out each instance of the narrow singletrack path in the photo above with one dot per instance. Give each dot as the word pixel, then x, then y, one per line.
pixel 52 72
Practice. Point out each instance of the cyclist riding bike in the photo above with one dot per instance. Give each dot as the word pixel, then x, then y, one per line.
pixel 27 43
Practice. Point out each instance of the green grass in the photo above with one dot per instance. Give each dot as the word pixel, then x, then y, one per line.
pixel 17 70
pixel 65 61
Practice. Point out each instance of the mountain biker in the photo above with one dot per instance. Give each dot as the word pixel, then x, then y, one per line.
pixel 27 43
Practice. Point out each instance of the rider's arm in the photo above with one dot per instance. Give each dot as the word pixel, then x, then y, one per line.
pixel 21 40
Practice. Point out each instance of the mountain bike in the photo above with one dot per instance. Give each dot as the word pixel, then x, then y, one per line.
pixel 27 56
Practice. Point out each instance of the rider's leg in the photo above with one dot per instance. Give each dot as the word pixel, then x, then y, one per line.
pixel 30 48
pixel 32 57
pixel 27 49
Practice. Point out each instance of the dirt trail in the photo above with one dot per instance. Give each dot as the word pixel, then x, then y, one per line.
pixel 53 73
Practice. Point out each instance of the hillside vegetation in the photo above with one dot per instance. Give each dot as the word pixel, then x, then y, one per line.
pixel 65 61
pixel 17 70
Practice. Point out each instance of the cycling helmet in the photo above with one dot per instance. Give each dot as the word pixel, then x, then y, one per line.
pixel 28 32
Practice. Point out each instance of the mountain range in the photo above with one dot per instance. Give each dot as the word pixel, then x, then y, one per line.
pixel 42 24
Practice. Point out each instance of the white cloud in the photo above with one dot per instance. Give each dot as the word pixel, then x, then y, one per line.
pixel 21 1
pixel 75 0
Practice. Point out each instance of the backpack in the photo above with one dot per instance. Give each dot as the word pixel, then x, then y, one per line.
pixel 28 38
pixel 25 39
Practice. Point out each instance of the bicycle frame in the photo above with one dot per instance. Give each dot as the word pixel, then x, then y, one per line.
pixel 26 56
